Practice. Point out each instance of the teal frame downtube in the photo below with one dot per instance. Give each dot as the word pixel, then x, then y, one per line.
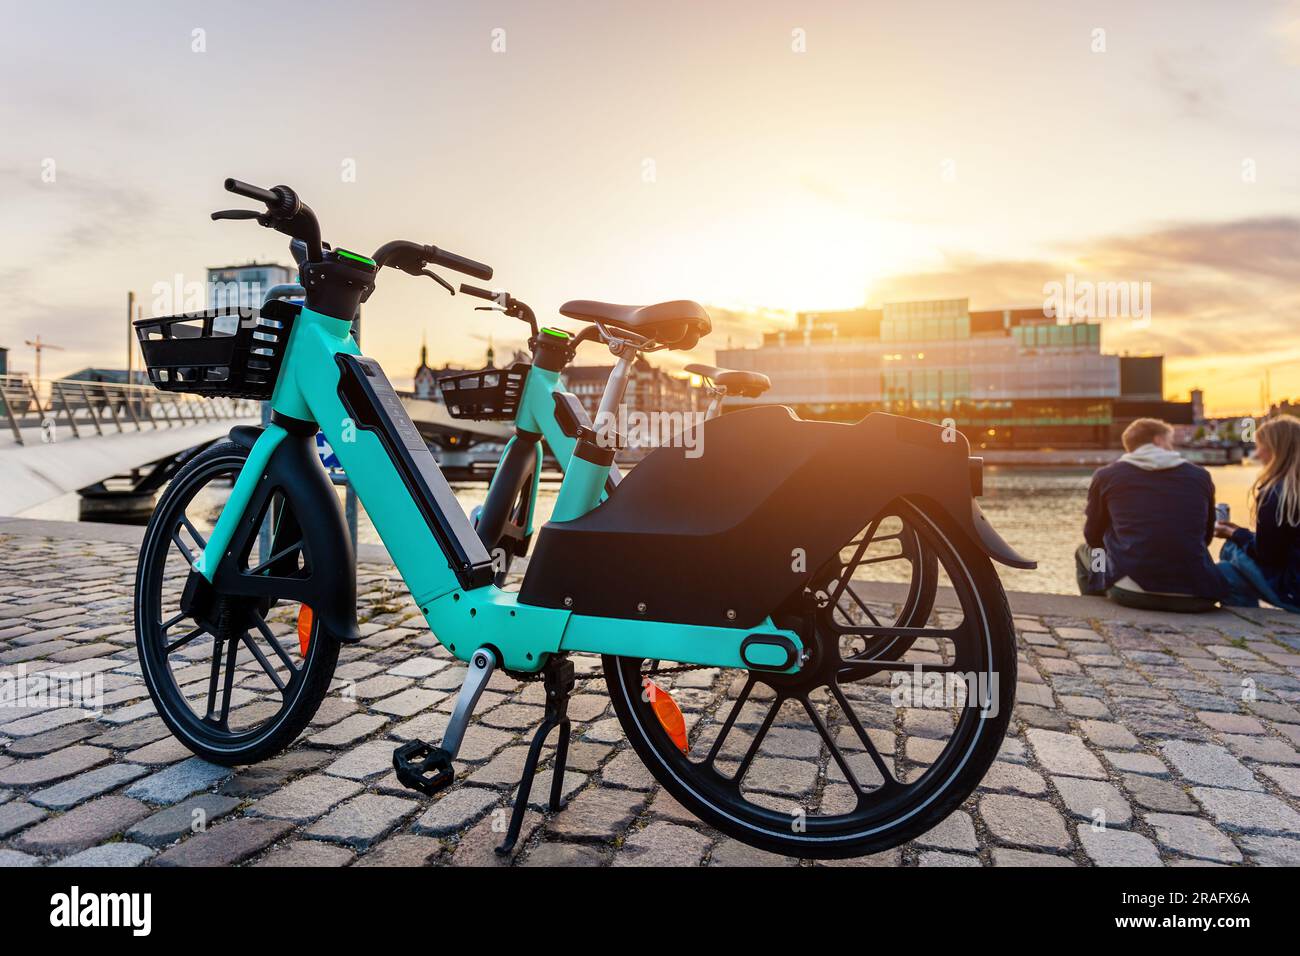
pixel 462 620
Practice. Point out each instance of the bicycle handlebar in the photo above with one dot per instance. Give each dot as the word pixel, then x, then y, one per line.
pixel 286 213
pixel 480 293
pixel 239 188
pixel 460 263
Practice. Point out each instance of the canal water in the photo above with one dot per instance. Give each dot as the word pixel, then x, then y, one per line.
pixel 1039 511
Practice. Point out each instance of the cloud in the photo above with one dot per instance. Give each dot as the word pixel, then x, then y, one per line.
pixel 1188 78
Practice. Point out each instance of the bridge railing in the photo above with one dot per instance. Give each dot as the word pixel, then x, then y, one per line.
pixel 104 407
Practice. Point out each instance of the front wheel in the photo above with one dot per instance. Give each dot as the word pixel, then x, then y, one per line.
pixel 235 678
pixel 850 756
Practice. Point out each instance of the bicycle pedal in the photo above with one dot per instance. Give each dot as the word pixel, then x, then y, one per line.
pixel 423 767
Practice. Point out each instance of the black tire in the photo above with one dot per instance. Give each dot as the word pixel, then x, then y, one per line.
pixel 896 811
pixel 304 688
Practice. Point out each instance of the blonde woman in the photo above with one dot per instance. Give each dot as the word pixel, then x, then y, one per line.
pixel 1265 564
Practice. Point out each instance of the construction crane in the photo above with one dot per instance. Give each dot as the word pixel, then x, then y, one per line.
pixel 40 347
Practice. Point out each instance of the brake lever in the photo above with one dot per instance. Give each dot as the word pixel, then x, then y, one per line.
pixel 237 214
pixel 488 308
pixel 438 279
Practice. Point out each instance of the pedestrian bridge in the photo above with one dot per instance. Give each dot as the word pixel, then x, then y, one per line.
pixel 88 432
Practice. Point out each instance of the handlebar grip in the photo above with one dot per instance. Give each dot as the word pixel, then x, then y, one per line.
pixel 253 192
pixel 452 261
pixel 475 290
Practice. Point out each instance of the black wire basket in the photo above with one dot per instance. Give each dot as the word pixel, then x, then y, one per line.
pixel 218 352
pixel 490 394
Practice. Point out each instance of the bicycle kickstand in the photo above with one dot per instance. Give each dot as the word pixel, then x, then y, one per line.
pixel 558 680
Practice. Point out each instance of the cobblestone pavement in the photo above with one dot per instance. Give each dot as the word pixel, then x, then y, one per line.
pixel 1181 733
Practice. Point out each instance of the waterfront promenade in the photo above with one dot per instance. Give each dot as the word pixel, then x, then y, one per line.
pixel 1138 739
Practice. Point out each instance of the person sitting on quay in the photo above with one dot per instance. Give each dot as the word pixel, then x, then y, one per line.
pixel 1148 524
pixel 1264 564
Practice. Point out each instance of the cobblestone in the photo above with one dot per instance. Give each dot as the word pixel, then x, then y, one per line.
pixel 306 798
pixel 1209 764
pixel 110 854
pixel 1193 837
pixel 92 783
pixel 1110 847
pixel 178 781
pixel 1024 822
pixel 1094 800
pixel 362 820
pixel 53 766
pixel 1251 812
pixel 190 816
pixel 225 844
pixel 84 826
pixel 663 844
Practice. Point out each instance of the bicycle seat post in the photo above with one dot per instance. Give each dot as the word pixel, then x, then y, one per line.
pixel 625 348
pixel 717 393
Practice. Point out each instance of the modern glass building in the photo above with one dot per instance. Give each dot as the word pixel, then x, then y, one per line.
pixel 1010 378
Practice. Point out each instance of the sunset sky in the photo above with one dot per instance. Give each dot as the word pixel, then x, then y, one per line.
pixel 637 151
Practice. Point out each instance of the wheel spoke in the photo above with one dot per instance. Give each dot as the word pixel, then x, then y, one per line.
pixel 881 767
pixel 169 624
pixel 273 559
pixel 741 698
pixel 852 664
pixel 836 755
pixel 866 610
pixel 214 678
pixel 265 628
pixel 229 683
pixel 186 553
pixel 261 659
pixel 857 556
pixel 182 641
pixel 873 630
pixel 759 736
pixel 194 532
pixel 880 559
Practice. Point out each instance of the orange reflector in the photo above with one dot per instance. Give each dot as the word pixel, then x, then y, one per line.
pixel 669 714
pixel 304 629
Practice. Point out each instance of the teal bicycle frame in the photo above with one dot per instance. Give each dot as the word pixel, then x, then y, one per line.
pixel 463 619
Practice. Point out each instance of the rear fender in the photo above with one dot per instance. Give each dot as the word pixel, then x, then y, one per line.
pixel 938 451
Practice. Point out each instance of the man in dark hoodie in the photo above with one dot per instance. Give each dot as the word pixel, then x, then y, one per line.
pixel 1149 519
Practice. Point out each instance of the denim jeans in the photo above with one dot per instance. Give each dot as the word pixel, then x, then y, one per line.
pixel 1247 583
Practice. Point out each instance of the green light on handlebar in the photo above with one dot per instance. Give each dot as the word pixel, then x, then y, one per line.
pixel 558 333
pixel 364 260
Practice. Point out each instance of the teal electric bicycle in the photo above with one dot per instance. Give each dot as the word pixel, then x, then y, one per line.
pixel 698 578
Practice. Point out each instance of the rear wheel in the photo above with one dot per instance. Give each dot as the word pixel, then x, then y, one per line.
pixel 235 678
pixel 852 755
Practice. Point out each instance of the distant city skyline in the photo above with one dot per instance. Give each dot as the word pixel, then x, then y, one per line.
pixel 752 156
